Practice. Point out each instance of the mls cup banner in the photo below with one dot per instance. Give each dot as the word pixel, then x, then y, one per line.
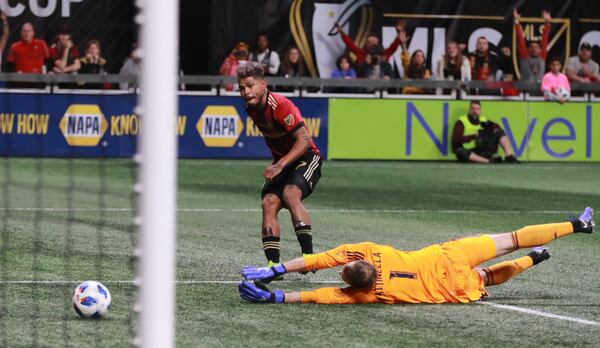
pixel 310 25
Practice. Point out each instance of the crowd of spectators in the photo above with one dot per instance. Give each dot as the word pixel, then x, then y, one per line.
pixel 485 63
pixel 30 54
pixel 369 61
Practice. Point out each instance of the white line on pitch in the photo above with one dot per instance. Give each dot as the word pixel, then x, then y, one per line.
pixel 255 210
pixel 540 313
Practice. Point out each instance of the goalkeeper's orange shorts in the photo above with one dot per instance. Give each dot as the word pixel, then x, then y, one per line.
pixel 463 255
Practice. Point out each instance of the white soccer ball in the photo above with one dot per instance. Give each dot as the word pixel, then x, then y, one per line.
pixel 563 93
pixel 91 299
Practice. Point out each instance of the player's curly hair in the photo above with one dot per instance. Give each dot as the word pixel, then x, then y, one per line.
pixel 360 274
pixel 250 69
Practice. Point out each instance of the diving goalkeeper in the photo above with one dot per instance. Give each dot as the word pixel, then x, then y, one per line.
pixel 441 273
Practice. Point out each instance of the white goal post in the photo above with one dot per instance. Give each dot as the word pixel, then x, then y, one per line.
pixel 158 156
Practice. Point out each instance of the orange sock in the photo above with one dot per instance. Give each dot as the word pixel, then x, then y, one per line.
pixel 503 271
pixel 536 235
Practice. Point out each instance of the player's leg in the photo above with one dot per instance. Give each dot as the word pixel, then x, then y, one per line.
pixel 508 152
pixel 464 155
pixel 536 235
pixel 503 271
pixel 483 248
pixel 271 232
pixel 292 196
pixel 473 157
pixel 300 184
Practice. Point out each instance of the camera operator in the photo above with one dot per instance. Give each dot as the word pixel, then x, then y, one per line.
pixel 238 56
pixel 475 139
pixel 375 66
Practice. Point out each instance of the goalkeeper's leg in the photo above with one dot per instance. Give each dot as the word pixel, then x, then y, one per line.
pixel 480 249
pixel 503 271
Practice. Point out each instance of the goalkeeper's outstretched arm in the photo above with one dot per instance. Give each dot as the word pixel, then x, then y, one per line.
pixel 328 259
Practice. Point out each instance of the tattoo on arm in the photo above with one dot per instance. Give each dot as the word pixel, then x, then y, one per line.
pixel 308 140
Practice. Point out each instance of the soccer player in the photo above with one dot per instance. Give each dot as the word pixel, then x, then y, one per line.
pixel 296 167
pixel 441 273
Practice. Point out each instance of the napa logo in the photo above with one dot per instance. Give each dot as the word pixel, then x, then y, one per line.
pixel 83 125
pixel 219 126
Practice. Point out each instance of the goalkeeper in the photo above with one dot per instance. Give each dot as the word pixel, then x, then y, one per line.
pixel 441 273
pixel 475 139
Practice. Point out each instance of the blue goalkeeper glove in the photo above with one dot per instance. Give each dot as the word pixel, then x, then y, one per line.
pixel 263 273
pixel 259 293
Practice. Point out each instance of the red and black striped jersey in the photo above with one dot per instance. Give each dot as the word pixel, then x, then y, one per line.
pixel 278 122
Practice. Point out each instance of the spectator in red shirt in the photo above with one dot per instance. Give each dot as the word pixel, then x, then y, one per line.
pixel 28 54
pixel 532 56
pixel 238 56
pixel 64 55
pixel 372 40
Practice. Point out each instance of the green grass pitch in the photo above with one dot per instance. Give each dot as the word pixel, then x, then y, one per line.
pixel 64 221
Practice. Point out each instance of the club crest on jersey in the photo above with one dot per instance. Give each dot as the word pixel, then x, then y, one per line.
pixel 289 120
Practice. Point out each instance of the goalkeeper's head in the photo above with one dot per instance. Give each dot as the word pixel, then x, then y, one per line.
pixel 359 274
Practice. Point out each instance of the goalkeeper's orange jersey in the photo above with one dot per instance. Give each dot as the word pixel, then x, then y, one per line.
pixel 429 275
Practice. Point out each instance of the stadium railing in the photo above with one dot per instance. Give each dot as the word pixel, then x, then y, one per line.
pixel 304 87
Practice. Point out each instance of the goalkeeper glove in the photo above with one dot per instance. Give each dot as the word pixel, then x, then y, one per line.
pixel 265 274
pixel 259 293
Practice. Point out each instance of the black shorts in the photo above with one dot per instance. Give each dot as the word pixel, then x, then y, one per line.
pixel 304 173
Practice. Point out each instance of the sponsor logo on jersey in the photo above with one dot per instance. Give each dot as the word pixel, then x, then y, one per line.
pixel 83 125
pixel 289 120
pixel 219 126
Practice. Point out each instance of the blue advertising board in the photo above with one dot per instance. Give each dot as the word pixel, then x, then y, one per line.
pixel 66 125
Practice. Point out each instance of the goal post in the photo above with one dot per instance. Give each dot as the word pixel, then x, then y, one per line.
pixel 158 158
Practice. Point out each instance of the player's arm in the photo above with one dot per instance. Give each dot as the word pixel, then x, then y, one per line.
pixel 544 42
pixel 302 143
pixel 331 296
pixel 521 46
pixel 5 31
pixel 393 47
pixel 258 293
pixel 349 43
pixel 458 134
pixel 328 259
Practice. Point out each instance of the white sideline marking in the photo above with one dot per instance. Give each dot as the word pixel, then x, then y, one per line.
pixel 540 313
pixel 255 210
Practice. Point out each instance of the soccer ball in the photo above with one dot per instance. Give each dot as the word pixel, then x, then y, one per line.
pixel 91 299
pixel 563 93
